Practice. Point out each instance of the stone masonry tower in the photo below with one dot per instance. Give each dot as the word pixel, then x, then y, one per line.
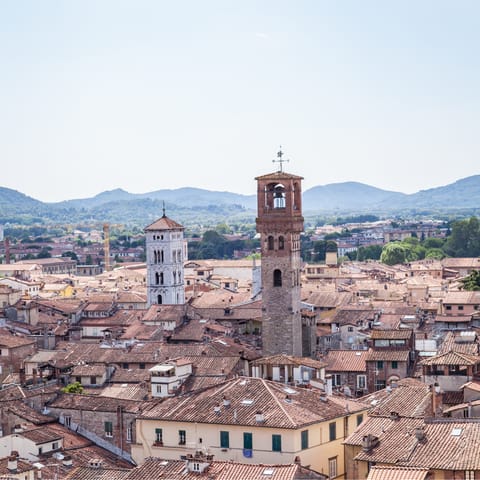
pixel 165 256
pixel 280 223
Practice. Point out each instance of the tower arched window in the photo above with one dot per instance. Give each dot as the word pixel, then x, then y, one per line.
pixel 159 299
pixel 279 196
pixel 157 278
pixel 162 257
pixel 281 242
pixel 161 278
pixel 270 242
pixel 155 256
pixel 277 278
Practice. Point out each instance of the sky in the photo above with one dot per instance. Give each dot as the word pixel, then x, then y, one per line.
pixel 147 95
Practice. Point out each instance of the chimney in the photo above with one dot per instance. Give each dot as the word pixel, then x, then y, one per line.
pixel 369 442
pixel 420 434
pixel 328 385
pixel 217 409
pixel 394 416
pixel 67 461
pixel 12 463
pixel 226 401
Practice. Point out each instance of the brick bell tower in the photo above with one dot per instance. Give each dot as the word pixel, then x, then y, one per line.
pixel 280 223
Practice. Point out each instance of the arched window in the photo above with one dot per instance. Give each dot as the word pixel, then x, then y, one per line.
pixel 159 299
pixel 161 257
pixel 174 278
pixel 277 278
pixel 270 242
pixel 281 242
pixel 157 278
pixel 279 196
pixel 155 259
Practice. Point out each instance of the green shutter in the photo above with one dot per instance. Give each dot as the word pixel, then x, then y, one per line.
pixel 304 439
pixel 224 440
pixel 333 431
pixel 276 443
pixel 247 441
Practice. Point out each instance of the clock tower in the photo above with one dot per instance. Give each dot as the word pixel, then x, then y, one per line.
pixel 280 223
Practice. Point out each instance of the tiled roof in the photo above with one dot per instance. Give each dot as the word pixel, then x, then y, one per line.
pixel 387 355
pixel 91 473
pixel 88 370
pixel 14 341
pixel 164 223
pixel 451 343
pixel 346 360
pixel 22 467
pixel 447 444
pixel 462 298
pixel 282 407
pixel 391 334
pixel 409 398
pixel 282 359
pixel 278 176
pixel 41 435
pixel 325 299
pixel 451 358
pixel 378 472
pixel 95 403
pixel 175 470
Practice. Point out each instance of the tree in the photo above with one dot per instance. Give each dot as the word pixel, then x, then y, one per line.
pixel 472 281
pixel 371 252
pixel 75 387
pixel 394 253
pixel 70 254
pixel 464 240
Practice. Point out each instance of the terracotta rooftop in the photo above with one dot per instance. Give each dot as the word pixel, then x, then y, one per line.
pixel 164 223
pixel 378 472
pixel 445 444
pixel 387 355
pixel 282 359
pixel 391 334
pixel 451 358
pixel 283 407
pixel 346 360
pixel 408 398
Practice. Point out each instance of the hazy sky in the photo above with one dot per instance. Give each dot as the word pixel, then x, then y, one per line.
pixel 145 95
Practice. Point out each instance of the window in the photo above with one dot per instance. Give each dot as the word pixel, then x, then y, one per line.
pixel 54 445
pixel 159 389
pixel 350 329
pixel 277 278
pixel 108 426
pixel 332 431
pixel 67 421
pixel 281 242
pixel 93 380
pixel 125 366
pixel 380 365
pixel 460 307
pixel 40 450
pixel 158 435
pixel 78 379
pixel 276 443
pixel 141 366
pixel 247 441
pixel 182 437
pixel 270 242
pixel 336 380
pixel 332 467
pixel 469 475
pixel 304 439
pixel 448 307
pixel 129 432
pixel 361 382
pixel 394 365
pixel 359 419
pixel 224 439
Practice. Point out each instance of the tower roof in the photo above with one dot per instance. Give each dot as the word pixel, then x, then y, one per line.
pixel 164 223
pixel 278 176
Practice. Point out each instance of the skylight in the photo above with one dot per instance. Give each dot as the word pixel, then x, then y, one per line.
pixel 268 471
pixel 456 432
pixel 247 401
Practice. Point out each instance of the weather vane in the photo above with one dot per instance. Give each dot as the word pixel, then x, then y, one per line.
pixel 280 160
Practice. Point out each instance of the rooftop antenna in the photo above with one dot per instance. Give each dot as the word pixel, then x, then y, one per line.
pixel 163 208
pixel 280 160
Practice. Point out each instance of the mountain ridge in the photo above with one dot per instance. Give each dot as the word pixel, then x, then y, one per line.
pixel 341 197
